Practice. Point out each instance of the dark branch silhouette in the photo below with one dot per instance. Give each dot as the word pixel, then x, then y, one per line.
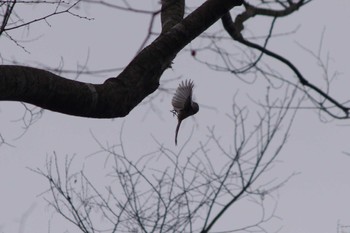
pixel 117 96
pixel 235 28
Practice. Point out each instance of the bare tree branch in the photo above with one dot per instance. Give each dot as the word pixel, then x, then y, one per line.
pixel 234 28
pixel 116 97
pixel 168 191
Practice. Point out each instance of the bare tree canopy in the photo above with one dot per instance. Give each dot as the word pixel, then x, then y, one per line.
pixel 199 182
pixel 117 96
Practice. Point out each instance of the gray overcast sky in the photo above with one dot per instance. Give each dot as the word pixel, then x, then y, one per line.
pixel 313 201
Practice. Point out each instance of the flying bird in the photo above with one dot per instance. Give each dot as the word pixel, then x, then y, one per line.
pixel 183 104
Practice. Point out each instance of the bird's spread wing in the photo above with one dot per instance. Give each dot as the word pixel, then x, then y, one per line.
pixel 183 95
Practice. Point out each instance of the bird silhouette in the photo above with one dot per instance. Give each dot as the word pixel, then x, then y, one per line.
pixel 183 104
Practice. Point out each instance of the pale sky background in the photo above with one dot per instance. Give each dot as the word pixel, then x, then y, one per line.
pixel 313 201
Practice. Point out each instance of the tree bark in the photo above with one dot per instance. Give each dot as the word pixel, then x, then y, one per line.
pixel 116 97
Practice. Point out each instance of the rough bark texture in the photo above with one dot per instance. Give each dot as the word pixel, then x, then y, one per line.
pixel 172 13
pixel 116 97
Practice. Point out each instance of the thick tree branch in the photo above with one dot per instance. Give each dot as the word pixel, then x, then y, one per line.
pixel 116 97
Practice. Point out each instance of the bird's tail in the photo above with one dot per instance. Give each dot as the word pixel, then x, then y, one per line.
pixel 177 131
